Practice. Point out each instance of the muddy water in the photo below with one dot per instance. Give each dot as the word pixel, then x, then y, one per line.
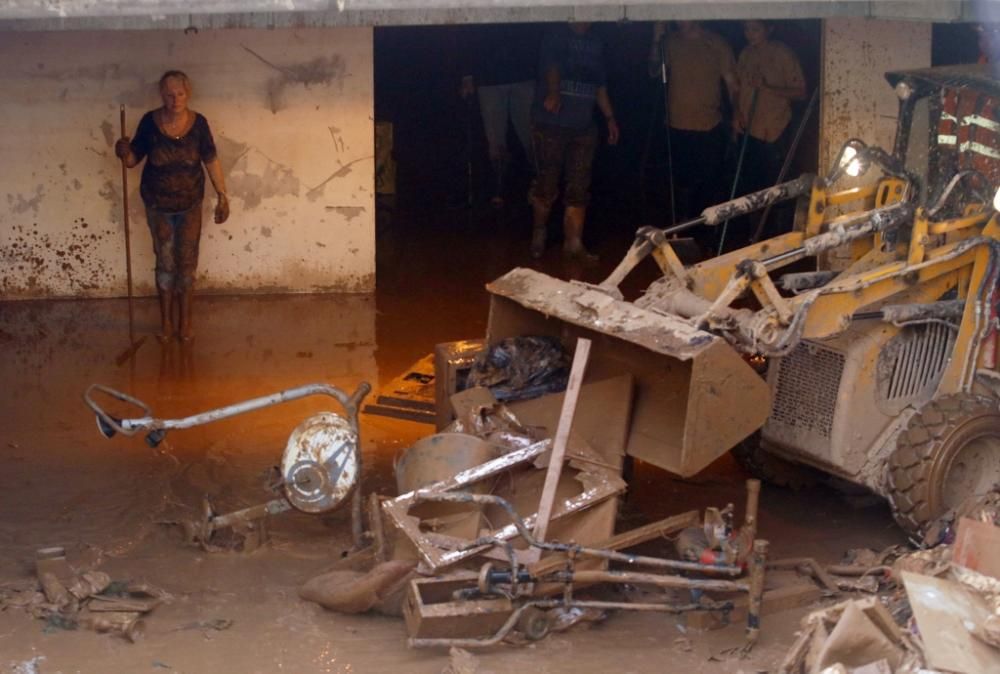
pixel 107 501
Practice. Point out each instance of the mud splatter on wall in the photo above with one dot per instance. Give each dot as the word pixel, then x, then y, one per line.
pixel 291 112
pixel 856 100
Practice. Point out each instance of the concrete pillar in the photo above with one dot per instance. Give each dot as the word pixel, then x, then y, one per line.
pixel 856 99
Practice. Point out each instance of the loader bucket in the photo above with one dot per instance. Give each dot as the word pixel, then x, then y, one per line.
pixel 695 397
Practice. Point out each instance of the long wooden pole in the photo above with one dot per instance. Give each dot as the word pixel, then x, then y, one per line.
pixel 547 502
pixel 128 235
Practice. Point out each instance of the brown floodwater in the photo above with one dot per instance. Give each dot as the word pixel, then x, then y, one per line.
pixel 108 501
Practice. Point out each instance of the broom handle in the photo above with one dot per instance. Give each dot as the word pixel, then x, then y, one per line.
pixel 128 238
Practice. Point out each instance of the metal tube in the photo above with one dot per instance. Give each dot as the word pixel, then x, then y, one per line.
pixel 252 513
pixel 525 533
pixel 672 582
pixel 666 123
pixel 753 498
pixel 739 162
pixel 252 405
pixel 758 566
pixel 879 220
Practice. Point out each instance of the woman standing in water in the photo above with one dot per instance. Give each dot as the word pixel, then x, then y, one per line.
pixel 175 142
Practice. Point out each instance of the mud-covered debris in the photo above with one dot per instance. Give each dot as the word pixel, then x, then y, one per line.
pixel 979 507
pixel 461 661
pixel 67 599
pixel 357 591
pixel 521 368
pixel 849 636
pixel 30 666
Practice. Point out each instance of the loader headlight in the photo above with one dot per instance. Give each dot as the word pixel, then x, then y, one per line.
pixel 903 90
pixel 996 200
pixel 852 161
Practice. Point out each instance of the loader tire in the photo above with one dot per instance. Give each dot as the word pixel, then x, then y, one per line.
pixel 770 468
pixel 950 450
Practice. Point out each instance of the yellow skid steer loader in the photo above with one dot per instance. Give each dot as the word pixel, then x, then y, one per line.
pixel 880 350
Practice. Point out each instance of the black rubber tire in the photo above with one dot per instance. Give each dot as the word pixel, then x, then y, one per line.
pixel 920 464
pixel 773 469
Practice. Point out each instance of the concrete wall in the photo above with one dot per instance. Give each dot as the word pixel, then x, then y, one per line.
pixel 856 100
pixel 291 110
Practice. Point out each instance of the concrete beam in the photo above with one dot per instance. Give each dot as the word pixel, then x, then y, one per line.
pixel 214 14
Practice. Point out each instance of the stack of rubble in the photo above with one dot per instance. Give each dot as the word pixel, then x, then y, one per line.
pixel 938 608
pixel 453 553
pixel 67 599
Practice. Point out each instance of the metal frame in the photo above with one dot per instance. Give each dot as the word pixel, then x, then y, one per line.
pixel 438 551
pixel 517 583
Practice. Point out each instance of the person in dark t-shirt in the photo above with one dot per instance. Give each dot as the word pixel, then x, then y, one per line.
pixel 175 142
pixel 571 82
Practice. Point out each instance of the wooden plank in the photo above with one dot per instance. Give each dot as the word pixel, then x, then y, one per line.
pixel 547 501
pixel 600 429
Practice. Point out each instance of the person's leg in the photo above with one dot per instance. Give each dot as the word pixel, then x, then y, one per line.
pixel 708 178
pixel 188 238
pixel 162 233
pixel 548 149
pixel 522 95
pixel 683 150
pixel 579 162
pixel 713 154
pixel 493 106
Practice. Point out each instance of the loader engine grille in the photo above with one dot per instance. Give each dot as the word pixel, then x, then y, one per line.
pixel 912 363
pixel 806 392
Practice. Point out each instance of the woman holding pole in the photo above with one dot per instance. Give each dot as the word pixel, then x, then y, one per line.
pixel 175 142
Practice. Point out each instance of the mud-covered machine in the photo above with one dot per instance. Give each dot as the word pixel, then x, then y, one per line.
pixel 320 468
pixel 876 316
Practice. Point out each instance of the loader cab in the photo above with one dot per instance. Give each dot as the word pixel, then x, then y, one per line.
pixel 948 135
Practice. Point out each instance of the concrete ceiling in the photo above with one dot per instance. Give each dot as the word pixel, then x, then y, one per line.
pixel 182 14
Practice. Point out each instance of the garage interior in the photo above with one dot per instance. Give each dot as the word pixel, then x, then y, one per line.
pixel 320 275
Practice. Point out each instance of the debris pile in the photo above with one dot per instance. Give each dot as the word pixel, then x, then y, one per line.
pixel 67 599
pixel 504 527
pixel 938 608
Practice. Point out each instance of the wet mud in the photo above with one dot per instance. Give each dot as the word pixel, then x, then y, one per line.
pixel 106 501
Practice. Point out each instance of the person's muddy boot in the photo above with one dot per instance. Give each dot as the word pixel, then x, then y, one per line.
pixel 537 242
pixel 573 235
pixel 166 332
pixel 185 330
pixel 540 220
pixel 499 173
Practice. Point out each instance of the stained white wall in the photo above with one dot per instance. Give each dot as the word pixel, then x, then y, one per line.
pixel 291 111
pixel 857 101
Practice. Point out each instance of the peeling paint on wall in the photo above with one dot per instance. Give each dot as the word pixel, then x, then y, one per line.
pixel 349 212
pixel 322 70
pixel 255 177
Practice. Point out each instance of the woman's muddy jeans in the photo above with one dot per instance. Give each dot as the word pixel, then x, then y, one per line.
pixel 175 242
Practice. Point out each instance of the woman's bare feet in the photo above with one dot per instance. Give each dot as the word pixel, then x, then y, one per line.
pixel 166 333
